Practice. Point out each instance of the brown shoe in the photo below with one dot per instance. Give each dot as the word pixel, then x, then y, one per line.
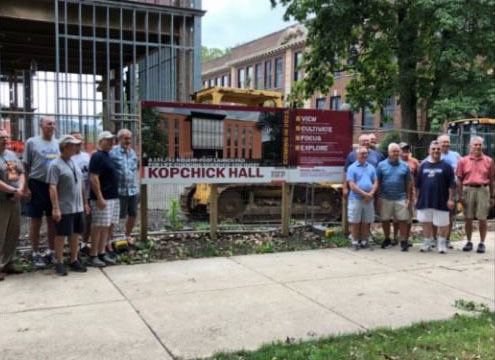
pixel 11 269
pixel 2 276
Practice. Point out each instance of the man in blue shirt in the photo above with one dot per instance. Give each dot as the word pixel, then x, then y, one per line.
pixel 127 168
pixel 374 157
pixel 394 182
pixel 451 157
pixel 435 185
pixel 362 180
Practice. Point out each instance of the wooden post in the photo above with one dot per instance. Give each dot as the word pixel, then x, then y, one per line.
pixel 143 211
pixel 213 211
pixel 345 223
pixel 285 209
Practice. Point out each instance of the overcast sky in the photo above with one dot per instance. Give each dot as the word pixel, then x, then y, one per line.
pixel 232 22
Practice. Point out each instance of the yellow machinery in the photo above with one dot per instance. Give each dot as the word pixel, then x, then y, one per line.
pixel 256 201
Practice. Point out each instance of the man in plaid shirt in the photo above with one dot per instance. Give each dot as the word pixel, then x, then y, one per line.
pixel 127 167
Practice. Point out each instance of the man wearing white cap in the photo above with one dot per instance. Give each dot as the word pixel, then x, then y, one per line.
pixel 104 199
pixel 67 195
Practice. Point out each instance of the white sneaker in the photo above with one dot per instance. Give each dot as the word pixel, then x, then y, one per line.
pixel 426 245
pixel 442 246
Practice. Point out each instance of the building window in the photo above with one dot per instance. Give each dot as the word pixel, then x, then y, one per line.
pixel 210 83
pixel 268 74
pixel 205 84
pixel 241 78
pixel 320 103
pixel 387 114
pixel 368 118
pixel 243 143
pixel 250 77
pixel 236 142
pixel 250 132
pixel 335 102
pixel 225 81
pixel 297 64
pixel 176 138
pixel 279 66
pixel 259 77
pixel 229 139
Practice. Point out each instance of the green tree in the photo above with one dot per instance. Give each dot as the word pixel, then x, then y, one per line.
pixel 435 55
pixel 208 54
pixel 154 139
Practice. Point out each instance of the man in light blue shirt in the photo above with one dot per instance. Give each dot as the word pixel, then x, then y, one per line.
pixel 361 177
pixel 394 181
pixel 127 168
pixel 451 157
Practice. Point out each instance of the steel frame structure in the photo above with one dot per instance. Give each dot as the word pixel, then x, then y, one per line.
pixel 91 62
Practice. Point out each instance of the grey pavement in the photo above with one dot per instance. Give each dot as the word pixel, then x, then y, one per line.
pixel 194 308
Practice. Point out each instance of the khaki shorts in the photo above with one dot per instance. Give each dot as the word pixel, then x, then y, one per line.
pixel 477 202
pixel 394 209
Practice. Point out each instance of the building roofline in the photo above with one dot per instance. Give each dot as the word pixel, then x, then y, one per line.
pixel 250 42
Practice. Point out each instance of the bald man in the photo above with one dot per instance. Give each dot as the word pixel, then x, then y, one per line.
pixel 40 151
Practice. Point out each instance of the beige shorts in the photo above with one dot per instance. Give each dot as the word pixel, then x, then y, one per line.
pixel 394 209
pixel 477 202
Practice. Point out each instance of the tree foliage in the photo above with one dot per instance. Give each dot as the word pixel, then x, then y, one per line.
pixel 208 54
pixel 434 55
pixel 154 139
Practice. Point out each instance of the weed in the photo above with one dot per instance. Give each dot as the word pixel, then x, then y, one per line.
pixel 265 248
pixel 173 214
pixel 471 306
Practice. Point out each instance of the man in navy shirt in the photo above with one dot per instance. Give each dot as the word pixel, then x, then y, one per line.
pixel 104 199
pixel 435 185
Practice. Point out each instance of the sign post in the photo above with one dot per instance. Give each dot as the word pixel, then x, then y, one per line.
pixel 214 211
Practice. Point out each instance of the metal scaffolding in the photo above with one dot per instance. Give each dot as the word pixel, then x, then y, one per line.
pixel 89 63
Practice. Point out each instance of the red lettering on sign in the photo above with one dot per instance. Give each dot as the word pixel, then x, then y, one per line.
pixel 210 172
pixel 233 172
pixel 173 172
pixel 163 172
pixel 152 172
pixel 243 172
pixel 196 172
pixel 185 172
pixel 220 173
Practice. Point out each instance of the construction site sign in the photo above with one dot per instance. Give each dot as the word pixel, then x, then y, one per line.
pixel 234 144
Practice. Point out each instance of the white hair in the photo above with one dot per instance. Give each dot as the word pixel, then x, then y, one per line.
pixel 393 145
pixel 122 132
pixel 476 138
pixel 439 138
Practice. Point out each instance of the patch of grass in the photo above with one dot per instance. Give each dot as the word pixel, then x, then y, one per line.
pixel 463 337
pixel 470 306
pixel 202 226
pixel 144 253
pixel 24 263
pixel 265 248
pixel 338 238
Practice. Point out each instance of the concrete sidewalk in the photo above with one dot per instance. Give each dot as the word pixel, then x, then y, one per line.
pixel 194 308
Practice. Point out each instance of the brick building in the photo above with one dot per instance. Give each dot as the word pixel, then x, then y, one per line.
pixel 203 134
pixel 271 63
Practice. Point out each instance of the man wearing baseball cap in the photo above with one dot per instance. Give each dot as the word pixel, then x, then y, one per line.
pixel 104 199
pixel 67 195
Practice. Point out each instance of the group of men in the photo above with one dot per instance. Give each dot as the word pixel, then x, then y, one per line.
pixel 81 195
pixel 400 187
